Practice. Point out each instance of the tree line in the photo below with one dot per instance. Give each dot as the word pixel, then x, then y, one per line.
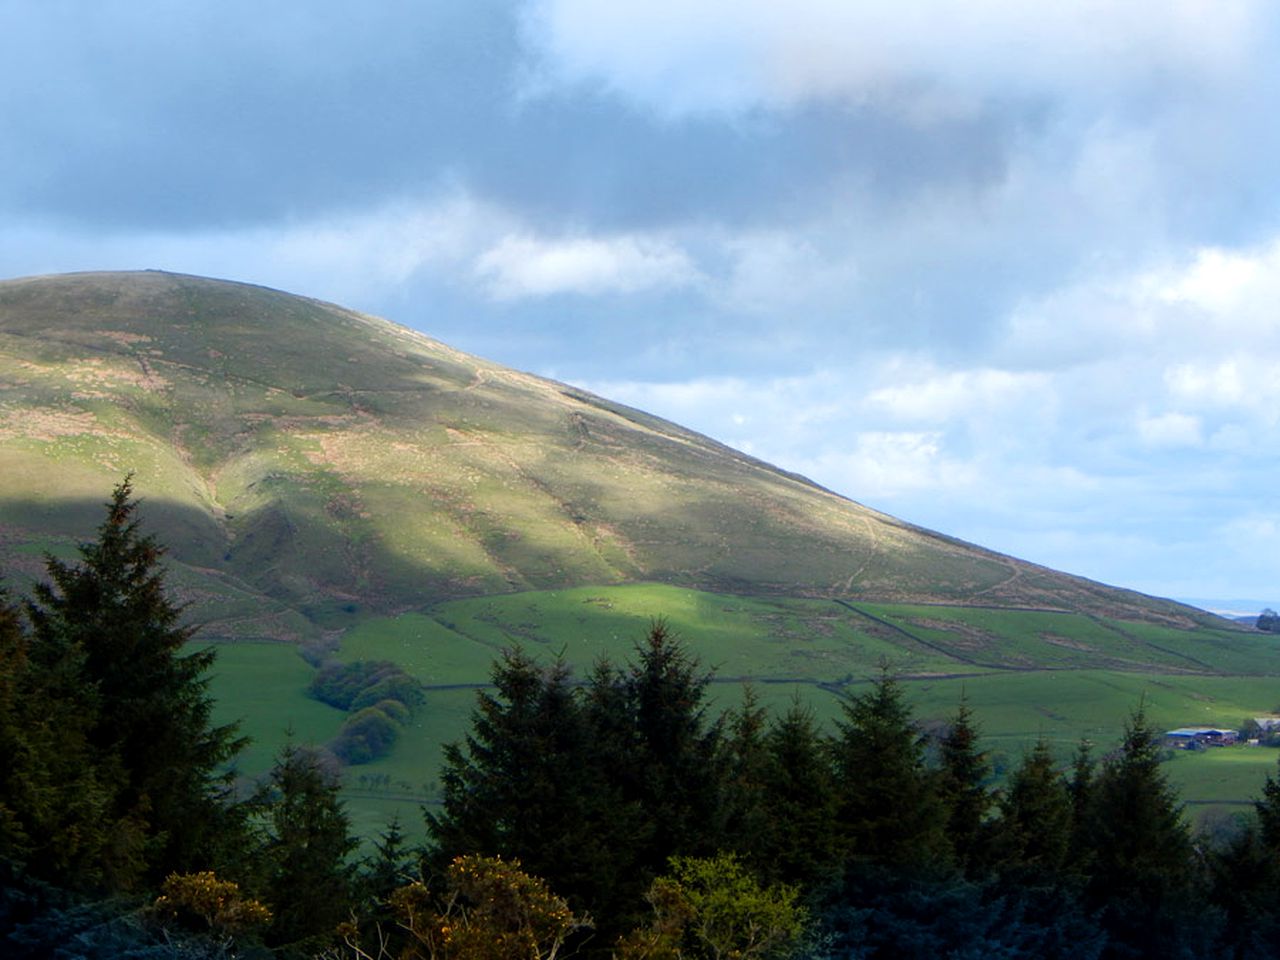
pixel 614 815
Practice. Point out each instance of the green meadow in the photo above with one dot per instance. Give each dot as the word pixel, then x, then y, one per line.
pixel 1026 674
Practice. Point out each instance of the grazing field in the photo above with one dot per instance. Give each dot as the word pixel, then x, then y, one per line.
pixel 264 687
pixel 1025 674
pixel 1222 776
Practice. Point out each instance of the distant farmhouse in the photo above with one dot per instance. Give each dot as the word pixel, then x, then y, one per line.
pixel 1195 738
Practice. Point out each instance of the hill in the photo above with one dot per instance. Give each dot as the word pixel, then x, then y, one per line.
pixel 309 465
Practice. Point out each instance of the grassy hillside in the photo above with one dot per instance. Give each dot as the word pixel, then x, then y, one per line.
pixel 310 466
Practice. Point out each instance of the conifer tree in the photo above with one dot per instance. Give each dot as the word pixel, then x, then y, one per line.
pixel 306 877
pixel 1080 789
pixel 963 787
pixel 1267 810
pixel 527 783
pixel 1035 823
pixel 1246 883
pixel 108 627
pixel 670 769
pixel 801 842
pixel 1142 862
pixel 889 810
pixel 391 866
pixel 746 820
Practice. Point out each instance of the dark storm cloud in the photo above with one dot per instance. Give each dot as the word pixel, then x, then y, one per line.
pixel 195 114
pixel 147 115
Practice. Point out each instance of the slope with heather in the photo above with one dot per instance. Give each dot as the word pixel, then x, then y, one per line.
pixel 309 465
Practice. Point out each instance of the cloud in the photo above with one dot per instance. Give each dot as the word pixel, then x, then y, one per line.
pixel 521 266
pixel 934 57
pixel 1207 302
pixel 1170 430
pixel 959 394
pixel 884 466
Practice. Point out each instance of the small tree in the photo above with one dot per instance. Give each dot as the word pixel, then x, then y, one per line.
pixel 661 759
pixel 306 876
pixel 714 909
pixel 1033 833
pixel 673 770
pixel 527 784
pixel 1269 621
pixel 963 785
pixel 1141 860
pixel 801 842
pixel 890 812
pixel 745 821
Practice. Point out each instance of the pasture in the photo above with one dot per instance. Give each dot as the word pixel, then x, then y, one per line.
pixel 1025 674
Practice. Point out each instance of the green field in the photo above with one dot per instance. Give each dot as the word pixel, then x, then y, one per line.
pixel 1019 684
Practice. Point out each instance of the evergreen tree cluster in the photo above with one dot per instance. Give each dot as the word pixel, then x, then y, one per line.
pixel 381 699
pixel 603 787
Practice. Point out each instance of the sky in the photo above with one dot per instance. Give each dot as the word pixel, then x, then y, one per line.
pixel 1009 271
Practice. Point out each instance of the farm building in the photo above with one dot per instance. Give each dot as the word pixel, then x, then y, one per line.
pixel 1192 738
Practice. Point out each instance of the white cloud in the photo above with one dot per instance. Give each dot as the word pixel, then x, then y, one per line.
pixel 959 394
pixel 520 266
pixel 777 272
pixel 1218 281
pixel 932 55
pixel 1170 430
pixel 1209 303
pixel 887 465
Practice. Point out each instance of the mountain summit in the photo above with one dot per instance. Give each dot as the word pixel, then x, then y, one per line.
pixel 305 462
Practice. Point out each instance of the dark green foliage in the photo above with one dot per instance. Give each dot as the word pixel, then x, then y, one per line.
pixel 117 771
pixel 304 874
pixel 1245 890
pixel 661 749
pixel 57 793
pixel 1246 882
pixel 745 818
pixel 382 697
pixel 877 913
pixel 1142 867
pixel 392 865
pixel 964 792
pixel 889 809
pixel 1033 833
pixel 351 686
pixel 593 788
pixel 527 784
pixel 368 734
pixel 1269 621
pixel 800 843
pixel 1267 809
